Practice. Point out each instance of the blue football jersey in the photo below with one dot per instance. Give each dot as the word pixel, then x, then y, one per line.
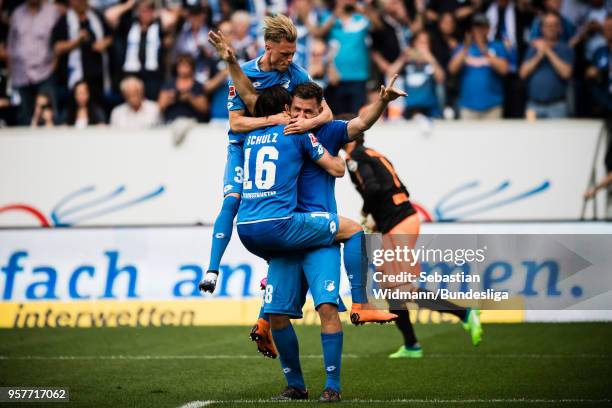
pixel 272 164
pixel 289 79
pixel 316 187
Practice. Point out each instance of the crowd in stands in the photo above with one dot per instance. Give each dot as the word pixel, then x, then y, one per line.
pixel 140 63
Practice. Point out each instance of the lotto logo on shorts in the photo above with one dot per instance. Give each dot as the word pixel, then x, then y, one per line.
pixel 332 227
pixel 232 92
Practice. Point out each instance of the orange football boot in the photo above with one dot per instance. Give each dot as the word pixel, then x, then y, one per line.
pixel 364 313
pixel 261 334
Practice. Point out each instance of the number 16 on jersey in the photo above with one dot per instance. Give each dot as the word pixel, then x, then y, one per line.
pixel 265 168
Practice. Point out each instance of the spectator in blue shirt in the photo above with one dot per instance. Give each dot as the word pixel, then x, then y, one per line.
pixel 568 30
pixel 421 74
pixel 481 65
pixel 599 73
pixel 347 32
pixel 547 68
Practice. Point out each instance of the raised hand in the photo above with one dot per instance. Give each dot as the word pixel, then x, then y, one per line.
pixel 389 93
pixel 223 48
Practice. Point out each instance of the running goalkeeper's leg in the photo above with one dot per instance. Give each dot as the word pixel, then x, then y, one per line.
pixel 356 265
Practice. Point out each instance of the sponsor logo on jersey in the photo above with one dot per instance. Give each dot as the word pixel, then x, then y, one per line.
pixel 313 139
pixel 232 92
pixel 227 188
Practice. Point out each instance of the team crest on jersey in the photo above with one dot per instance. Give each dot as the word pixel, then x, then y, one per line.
pixel 313 139
pixel 256 84
pixel 232 92
pixel 286 84
pixel 330 285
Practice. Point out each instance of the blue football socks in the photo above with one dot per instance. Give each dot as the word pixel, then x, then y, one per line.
pixel 288 350
pixel 356 265
pixel 222 232
pixel 332 358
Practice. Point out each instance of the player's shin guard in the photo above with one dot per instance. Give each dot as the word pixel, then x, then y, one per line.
pixel 356 265
pixel 332 358
pixel 222 232
pixel 288 350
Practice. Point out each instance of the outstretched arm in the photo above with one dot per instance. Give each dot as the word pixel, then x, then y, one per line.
pixel 372 112
pixel 243 85
pixel 244 88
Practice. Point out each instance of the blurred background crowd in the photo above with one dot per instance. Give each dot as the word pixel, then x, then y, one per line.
pixel 140 63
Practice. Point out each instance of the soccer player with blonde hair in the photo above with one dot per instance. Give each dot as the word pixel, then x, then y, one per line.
pixel 274 67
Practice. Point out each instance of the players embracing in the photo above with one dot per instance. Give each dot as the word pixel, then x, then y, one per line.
pixel 297 233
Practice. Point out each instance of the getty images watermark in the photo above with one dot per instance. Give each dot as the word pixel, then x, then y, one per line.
pixel 398 275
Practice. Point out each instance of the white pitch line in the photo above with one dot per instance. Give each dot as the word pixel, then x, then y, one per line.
pixel 162 357
pixel 198 404
pixel 305 356
pixel 516 355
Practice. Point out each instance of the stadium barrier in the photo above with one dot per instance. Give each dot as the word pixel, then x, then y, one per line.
pixel 455 171
pixel 139 276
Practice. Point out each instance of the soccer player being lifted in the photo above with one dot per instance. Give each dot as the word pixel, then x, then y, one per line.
pixel 249 81
pixel 386 199
pixel 274 67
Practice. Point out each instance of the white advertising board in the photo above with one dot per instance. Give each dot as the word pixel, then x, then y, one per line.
pixel 76 269
pixel 460 171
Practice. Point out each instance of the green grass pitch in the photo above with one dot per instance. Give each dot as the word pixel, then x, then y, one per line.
pixel 516 365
